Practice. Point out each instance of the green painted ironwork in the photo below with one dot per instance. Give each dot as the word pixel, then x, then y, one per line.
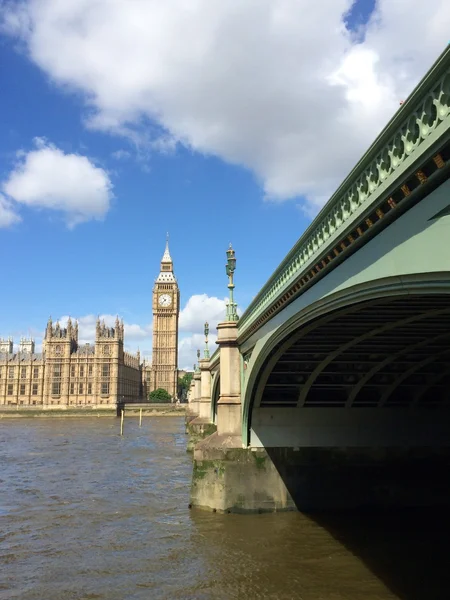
pixel 206 350
pixel 414 130
pixel 230 268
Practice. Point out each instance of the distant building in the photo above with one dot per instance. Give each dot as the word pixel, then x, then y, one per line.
pixel 100 374
pixel 67 374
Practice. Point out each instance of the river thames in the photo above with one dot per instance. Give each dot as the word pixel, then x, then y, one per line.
pixel 86 514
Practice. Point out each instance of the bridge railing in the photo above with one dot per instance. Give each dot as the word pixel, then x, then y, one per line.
pixel 419 122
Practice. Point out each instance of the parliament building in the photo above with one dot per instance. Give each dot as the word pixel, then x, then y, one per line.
pixel 98 375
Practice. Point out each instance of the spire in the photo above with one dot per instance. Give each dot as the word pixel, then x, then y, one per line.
pixel 166 256
pixel 49 327
pixel 166 273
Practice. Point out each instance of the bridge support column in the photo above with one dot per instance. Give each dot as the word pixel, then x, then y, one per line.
pixel 193 406
pixel 205 390
pixel 216 457
pixel 201 426
pixel 229 412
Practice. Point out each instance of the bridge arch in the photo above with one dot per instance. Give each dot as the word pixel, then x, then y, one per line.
pixel 215 393
pixel 384 343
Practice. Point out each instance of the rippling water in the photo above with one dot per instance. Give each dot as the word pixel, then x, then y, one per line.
pixel 87 514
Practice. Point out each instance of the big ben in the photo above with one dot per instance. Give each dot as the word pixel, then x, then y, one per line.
pixel 166 307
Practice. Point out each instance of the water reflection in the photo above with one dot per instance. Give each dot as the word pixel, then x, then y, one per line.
pixel 87 514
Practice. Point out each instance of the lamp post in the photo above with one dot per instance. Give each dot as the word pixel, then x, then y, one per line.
pixel 198 358
pixel 230 268
pixel 206 351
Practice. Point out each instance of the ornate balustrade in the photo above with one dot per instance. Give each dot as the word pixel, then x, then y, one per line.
pixel 368 192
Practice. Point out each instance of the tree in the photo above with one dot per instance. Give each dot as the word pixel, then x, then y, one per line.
pixel 160 395
pixel 184 383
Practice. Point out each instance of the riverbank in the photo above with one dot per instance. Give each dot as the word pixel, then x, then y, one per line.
pixel 153 410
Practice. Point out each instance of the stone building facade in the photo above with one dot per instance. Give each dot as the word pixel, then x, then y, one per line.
pixel 66 374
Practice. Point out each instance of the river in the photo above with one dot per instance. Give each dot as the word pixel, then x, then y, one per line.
pixel 86 514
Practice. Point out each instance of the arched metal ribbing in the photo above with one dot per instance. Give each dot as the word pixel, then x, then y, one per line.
pixel 391 389
pixel 388 327
pixel 292 340
pixel 433 381
pixel 387 361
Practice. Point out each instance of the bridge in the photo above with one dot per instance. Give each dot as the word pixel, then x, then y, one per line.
pixel 333 388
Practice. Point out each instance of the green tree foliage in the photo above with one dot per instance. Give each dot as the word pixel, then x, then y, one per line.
pixel 184 383
pixel 160 395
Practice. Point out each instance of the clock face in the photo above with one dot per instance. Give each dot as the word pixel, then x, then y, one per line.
pixel 165 300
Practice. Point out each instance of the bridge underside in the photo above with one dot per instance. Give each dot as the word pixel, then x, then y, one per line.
pixel 386 353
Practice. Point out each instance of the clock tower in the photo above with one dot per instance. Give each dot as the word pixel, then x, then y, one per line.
pixel 166 307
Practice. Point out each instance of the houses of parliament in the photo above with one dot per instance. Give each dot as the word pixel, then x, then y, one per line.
pixel 98 375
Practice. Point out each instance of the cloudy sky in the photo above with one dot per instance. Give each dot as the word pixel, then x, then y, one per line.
pixel 216 121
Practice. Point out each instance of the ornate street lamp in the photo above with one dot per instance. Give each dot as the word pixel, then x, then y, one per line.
pixel 206 351
pixel 198 358
pixel 230 268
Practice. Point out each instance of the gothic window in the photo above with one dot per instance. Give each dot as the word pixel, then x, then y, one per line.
pixel 35 389
pixel 72 371
pixel 89 389
pixel 11 373
pixel 90 370
pixel 105 388
pixel 105 370
pixel 56 388
pixel 80 388
pixel 81 370
pixel 72 388
pixel 35 372
pixel 23 372
pixel 57 370
pixel 22 389
pixel 10 389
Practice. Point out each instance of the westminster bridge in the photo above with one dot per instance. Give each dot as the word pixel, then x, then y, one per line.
pixel 333 388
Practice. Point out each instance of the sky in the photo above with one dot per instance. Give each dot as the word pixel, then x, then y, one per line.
pixel 218 122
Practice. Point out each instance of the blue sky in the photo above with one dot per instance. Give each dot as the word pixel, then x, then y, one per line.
pixel 113 134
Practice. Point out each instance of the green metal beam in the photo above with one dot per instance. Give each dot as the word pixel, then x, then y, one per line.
pixel 414 129
pixel 353 342
pixel 387 361
pixel 391 389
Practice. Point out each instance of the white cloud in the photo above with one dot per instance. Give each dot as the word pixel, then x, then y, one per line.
pixel 188 346
pixel 280 87
pixel 46 177
pixel 200 308
pixel 121 154
pixel 8 215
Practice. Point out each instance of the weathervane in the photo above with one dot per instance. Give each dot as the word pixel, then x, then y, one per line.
pixel 230 268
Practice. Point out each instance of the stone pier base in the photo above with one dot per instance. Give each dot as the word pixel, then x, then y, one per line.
pixel 198 429
pixel 189 416
pixel 227 478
